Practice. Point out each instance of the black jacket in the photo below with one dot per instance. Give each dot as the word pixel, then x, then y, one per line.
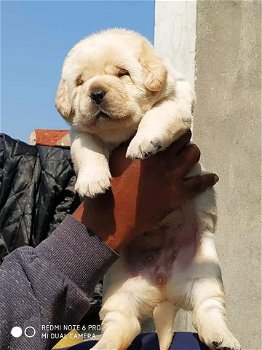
pixel 36 192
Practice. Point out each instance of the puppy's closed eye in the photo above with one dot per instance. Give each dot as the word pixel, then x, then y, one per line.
pixel 122 72
pixel 79 81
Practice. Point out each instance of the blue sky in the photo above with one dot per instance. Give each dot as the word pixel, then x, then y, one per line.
pixel 35 38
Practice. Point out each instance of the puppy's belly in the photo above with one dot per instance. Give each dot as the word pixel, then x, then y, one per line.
pixel 170 247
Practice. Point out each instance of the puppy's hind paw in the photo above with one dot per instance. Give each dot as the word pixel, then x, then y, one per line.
pixel 142 149
pixel 223 345
pixel 90 184
pixel 221 341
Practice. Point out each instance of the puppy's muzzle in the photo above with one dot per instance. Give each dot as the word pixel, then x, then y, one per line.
pixel 97 96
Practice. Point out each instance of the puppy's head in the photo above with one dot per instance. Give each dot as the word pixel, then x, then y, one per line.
pixel 109 80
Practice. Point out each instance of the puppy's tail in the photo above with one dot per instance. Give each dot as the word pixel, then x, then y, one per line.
pixel 164 317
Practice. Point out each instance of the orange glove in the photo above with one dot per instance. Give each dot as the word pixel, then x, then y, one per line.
pixel 143 192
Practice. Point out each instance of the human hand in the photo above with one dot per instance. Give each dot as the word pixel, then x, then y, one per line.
pixel 143 192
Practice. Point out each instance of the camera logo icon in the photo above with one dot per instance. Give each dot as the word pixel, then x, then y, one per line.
pixel 17 331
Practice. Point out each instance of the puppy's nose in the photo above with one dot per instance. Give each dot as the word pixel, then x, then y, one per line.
pixel 97 96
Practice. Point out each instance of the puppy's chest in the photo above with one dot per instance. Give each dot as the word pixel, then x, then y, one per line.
pixel 171 245
pixel 117 135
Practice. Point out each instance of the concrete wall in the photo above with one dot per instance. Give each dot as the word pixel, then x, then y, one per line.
pixel 227 128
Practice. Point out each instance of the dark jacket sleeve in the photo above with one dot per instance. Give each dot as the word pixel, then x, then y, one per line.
pixel 50 284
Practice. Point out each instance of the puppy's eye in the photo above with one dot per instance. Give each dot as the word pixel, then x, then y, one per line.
pixel 79 81
pixel 122 73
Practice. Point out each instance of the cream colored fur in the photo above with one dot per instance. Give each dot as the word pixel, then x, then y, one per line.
pixel 147 99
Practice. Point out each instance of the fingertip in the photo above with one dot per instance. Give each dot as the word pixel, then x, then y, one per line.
pixel 186 136
pixel 180 143
pixel 188 133
pixel 216 178
pixel 195 152
pixel 209 180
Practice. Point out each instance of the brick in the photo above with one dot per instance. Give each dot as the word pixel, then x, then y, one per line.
pixel 49 137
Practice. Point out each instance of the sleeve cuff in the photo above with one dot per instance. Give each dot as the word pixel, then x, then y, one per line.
pixel 77 253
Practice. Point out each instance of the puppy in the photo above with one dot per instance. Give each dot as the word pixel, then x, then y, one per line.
pixel 115 86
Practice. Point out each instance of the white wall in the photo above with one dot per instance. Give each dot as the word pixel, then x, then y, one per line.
pixel 175 34
pixel 175 37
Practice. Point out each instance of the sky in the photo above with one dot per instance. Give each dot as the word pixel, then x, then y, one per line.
pixel 35 38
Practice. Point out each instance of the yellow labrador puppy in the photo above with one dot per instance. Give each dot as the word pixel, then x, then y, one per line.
pixel 115 86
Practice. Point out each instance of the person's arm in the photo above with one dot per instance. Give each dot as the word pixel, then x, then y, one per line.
pixel 50 284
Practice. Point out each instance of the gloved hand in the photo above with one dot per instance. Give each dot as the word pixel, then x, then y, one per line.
pixel 143 192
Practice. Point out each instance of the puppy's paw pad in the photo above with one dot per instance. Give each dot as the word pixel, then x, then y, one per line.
pixel 223 341
pixel 90 185
pixel 215 343
pixel 142 149
pixel 218 346
pixel 156 146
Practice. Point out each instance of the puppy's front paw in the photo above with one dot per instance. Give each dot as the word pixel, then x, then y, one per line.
pixel 217 339
pixel 143 147
pixel 90 184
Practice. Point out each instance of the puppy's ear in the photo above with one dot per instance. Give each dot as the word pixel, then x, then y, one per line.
pixel 155 72
pixel 62 101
